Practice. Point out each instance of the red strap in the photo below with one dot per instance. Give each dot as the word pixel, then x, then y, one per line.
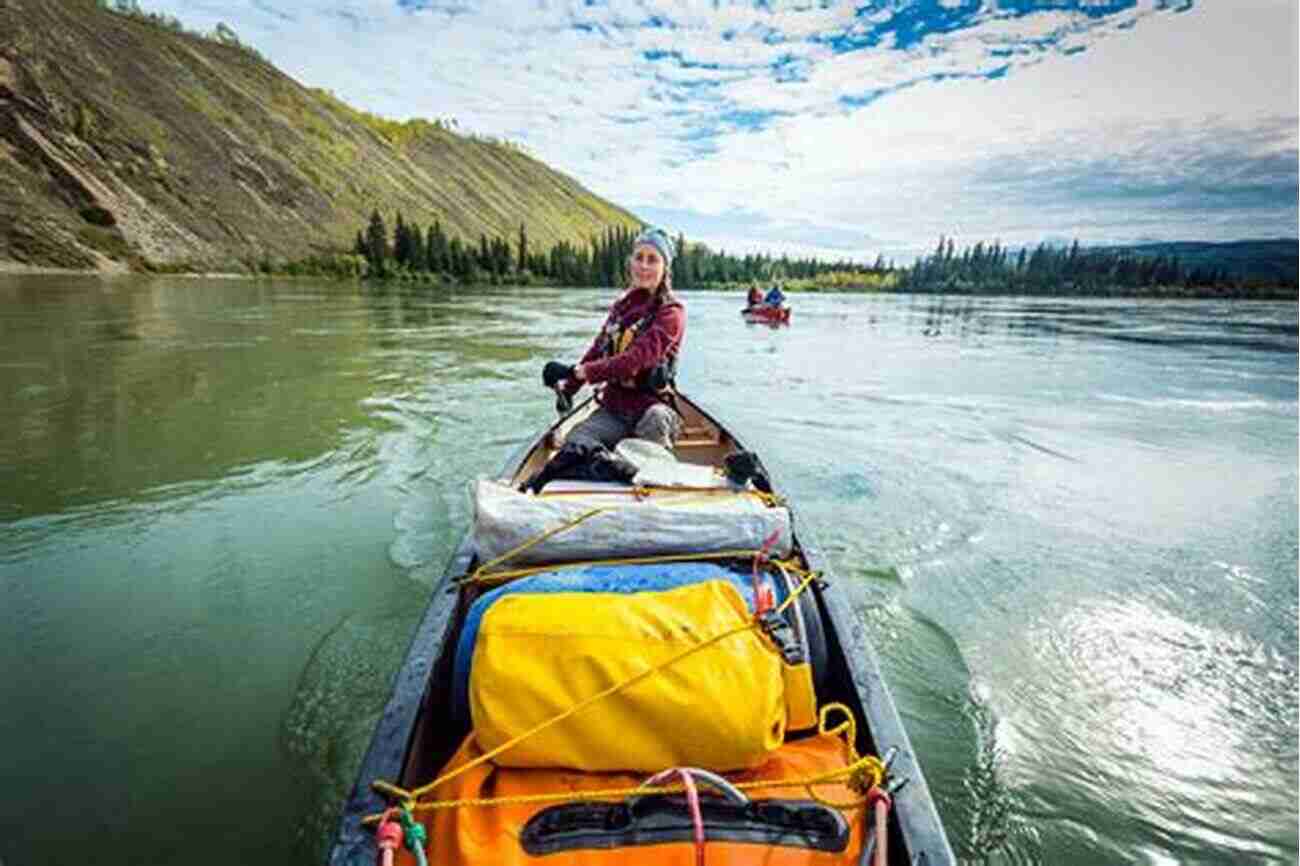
pixel 388 838
pixel 692 801
pixel 697 817
pixel 763 600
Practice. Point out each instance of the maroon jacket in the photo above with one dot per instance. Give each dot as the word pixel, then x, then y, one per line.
pixel 654 343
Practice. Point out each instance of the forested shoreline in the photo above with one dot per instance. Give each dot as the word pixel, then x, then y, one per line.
pixel 410 253
pixel 1077 270
pixel 414 254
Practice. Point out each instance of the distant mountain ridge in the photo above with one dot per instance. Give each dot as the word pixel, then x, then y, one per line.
pixel 123 142
pixel 1264 260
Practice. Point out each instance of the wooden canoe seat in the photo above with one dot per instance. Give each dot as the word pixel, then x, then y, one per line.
pixel 698 437
pixel 692 437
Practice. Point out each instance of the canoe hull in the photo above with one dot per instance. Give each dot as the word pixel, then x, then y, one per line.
pixel 766 315
pixel 415 737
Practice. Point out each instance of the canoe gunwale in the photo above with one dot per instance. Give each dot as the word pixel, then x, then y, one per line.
pixel 914 810
pixel 386 754
pixel 914 807
pixel 914 814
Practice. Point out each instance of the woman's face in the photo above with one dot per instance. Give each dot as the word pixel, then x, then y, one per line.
pixel 647 267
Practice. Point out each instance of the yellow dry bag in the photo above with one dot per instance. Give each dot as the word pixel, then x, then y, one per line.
pixel 537 656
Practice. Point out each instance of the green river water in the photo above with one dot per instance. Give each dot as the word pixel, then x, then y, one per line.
pixel 1071 526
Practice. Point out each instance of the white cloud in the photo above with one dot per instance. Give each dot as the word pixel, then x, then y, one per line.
pixel 1193 101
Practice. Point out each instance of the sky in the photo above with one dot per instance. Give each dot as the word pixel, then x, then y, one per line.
pixel 845 130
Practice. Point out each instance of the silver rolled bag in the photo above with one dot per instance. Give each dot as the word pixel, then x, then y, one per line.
pixel 689 513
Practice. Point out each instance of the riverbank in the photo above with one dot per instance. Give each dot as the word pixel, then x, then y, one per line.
pixel 9 267
pixel 791 287
pixel 23 269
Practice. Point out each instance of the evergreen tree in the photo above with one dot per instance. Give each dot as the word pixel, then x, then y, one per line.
pixel 457 260
pixel 523 249
pixel 401 243
pixel 419 249
pixel 438 251
pixel 377 244
pixel 500 256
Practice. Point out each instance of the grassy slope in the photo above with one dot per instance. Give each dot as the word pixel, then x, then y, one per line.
pixel 204 153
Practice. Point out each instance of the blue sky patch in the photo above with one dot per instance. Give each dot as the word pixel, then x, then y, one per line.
pixel 443 7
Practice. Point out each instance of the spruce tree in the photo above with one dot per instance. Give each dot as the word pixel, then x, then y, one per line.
pixel 504 259
pixel 419 251
pixel 401 243
pixel 439 260
pixel 377 244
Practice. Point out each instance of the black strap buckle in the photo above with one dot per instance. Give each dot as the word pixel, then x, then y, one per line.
pixel 781 633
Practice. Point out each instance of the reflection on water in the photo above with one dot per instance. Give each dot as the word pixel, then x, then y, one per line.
pixel 1164 323
pixel 1182 728
pixel 1071 525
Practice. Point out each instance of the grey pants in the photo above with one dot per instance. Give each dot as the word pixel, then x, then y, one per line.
pixel 659 424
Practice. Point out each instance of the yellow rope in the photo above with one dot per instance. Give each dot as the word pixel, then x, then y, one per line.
pixel 642 491
pixel 807 581
pixel 538 539
pixel 861 774
pixel 866 764
pixel 638 560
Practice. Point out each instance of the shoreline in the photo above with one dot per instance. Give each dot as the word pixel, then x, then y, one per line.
pixel 9 267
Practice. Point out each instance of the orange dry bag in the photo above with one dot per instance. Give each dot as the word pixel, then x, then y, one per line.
pixel 781 826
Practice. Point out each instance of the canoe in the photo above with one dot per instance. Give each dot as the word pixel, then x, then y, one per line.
pixel 419 732
pixel 766 314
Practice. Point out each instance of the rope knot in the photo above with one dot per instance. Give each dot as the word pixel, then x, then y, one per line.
pixel 848 727
pixel 861 780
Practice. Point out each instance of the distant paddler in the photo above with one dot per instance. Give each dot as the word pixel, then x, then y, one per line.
pixel 775 297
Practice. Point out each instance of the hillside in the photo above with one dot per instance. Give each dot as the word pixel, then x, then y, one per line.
pixel 127 144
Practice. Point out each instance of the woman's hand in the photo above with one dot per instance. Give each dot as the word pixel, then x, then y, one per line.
pixel 555 373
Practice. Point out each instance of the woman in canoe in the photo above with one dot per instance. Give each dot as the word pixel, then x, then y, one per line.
pixel 634 361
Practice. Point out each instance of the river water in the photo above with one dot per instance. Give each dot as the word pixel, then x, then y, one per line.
pixel 1071 526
